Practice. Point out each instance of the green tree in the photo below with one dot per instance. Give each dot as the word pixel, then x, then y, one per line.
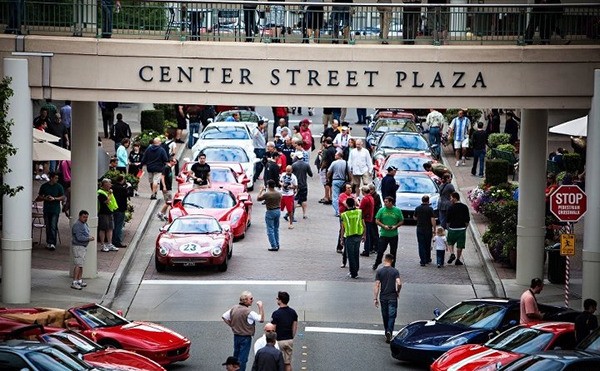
pixel 6 147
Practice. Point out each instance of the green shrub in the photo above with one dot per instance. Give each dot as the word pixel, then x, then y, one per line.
pixel 168 110
pixel 170 125
pixel 502 227
pixel 153 120
pixel 572 162
pixel 496 139
pixel 507 148
pixel 129 178
pixel 496 171
pixel 145 138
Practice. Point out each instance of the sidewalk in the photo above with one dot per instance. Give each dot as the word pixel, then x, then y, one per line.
pixel 501 277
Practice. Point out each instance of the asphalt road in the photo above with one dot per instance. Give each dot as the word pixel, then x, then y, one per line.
pixel 339 327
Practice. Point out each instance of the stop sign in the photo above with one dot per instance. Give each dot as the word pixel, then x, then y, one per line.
pixel 568 203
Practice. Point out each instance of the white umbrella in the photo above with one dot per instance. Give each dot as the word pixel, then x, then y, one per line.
pixel 44 151
pixel 574 128
pixel 39 135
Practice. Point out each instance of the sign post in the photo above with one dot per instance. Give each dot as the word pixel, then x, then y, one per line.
pixel 568 203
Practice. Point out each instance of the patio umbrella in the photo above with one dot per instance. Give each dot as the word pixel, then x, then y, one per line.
pixel 44 151
pixel 575 128
pixel 39 135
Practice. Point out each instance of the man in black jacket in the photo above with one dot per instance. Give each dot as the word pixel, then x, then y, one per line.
pixel 268 358
pixel 388 184
pixel 154 159
pixel 480 138
pixel 120 192
pixel 121 130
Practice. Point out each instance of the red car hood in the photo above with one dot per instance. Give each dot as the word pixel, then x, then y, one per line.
pixel 219 214
pixel 151 334
pixel 235 188
pixel 122 359
pixel 472 357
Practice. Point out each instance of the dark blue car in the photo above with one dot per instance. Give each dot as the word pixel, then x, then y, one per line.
pixel 472 321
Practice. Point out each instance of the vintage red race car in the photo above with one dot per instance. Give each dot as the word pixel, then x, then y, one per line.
pixel 508 346
pixel 223 175
pixel 222 204
pixel 108 328
pixel 193 240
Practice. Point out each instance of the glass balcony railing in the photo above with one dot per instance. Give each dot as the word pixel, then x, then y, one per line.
pixel 305 22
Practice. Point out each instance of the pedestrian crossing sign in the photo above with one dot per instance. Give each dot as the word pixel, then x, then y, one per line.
pixel 567 244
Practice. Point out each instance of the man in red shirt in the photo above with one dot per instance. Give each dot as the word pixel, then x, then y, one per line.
pixel 367 205
pixel 529 309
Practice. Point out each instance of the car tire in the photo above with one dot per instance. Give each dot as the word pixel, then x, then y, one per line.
pixel 159 266
pixel 230 252
pixel 223 267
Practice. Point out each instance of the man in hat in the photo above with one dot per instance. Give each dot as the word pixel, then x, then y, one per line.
pixel 341 140
pixel 231 364
pixel 389 186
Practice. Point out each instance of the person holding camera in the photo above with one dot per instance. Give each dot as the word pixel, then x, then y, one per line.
pixel 272 200
pixel 289 185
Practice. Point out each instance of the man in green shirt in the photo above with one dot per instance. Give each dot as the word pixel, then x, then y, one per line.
pixel 389 218
pixel 353 230
pixel 52 193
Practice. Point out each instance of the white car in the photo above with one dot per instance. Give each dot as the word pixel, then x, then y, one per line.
pixel 230 153
pixel 225 133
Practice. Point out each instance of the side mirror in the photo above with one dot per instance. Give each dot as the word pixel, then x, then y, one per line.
pixel 120 312
pixel 247 203
pixel 163 228
pixel 436 312
pixel 72 324
pixel 245 180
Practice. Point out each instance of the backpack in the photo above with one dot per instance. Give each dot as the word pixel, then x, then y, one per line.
pixel 165 145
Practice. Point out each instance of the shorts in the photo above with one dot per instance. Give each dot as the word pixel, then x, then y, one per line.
pixel 287 203
pixel 78 255
pixel 181 123
pixel 167 196
pixel 458 237
pixel 302 195
pixel 463 144
pixel 323 176
pixel 314 19
pixel 286 347
pixel 105 222
pixel 154 178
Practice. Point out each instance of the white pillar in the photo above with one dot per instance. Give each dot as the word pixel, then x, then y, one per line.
pixel 532 181
pixel 16 216
pixel 84 178
pixel 591 232
pixel 458 19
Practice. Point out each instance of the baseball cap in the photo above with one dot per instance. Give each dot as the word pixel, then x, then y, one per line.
pixel 277 134
pixel 344 128
pixel 231 361
pixel 299 155
pixel 390 168
pixel 305 121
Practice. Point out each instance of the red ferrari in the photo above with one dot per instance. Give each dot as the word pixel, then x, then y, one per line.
pixel 219 203
pixel 108 329
pixel 194 240
pixel 507 347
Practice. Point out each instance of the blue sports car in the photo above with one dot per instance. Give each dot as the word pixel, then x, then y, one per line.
pixel 472 321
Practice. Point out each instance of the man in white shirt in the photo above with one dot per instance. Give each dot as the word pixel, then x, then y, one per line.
pixel 435 123
pixel 360 165
pixel 261 342
pixel 341 140
pixel 459 132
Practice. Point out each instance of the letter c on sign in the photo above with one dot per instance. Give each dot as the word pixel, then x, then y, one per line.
pixel 142 73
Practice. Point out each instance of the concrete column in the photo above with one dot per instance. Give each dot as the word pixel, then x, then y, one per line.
pixel 591 232
pixel 16 215
pixel 458 19
pixel 84 169
pixel 532 181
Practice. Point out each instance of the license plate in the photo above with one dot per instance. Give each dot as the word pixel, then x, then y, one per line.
pixel 189 264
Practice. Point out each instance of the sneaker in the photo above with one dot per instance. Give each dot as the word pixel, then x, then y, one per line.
pixel 153 197
pixel 290 227
pixel 374 267
pixel 457 163
pixel 160 216
pixel 51 247
pixel 388 337
pixel 463 161
pixel 452 257
pixel 364 253
pixel 76 286
pixel 38 177
pixel 105 248
pixel 439 265
pixel 458 262
pixel 45 177
pixel 112 247
pixel 82 284
pixel 286 217
pixel 355 277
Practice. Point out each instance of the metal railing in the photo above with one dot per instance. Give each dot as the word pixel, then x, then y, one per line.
pixel 305 22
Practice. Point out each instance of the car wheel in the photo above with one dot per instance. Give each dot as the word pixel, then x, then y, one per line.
pixel 230 252
pixel 250 189
pixel 159 266
pixel 223 267
pixel 110 343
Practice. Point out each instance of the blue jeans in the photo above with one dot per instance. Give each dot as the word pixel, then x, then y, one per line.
pixel 352 250
pixel 478 156
pixel 440 256
pixel 241 349
pixel 443 217
pixel 119 220
pixel 336 189
pixel 434 141
pixel 51 221
pixel 272 222
pixel 107 17
pixel 424 242
pixel 389 309
pixel 194 129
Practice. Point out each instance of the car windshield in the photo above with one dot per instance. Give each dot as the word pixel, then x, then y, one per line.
pixel 228 154
pixel 521 340
pixel 591 343
pixel 400 124
pixel 400 141
pixel 415 184
pixel 246 116
pixel 74 341
pixel 195 225
pixel 209 200
pixel 474 315
pixel 225 132
pixel 407 163
pixel 97 316
pixel 222 176
pixel 55 360
pixel 535 364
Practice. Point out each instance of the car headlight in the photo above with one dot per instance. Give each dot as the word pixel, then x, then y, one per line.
pixel 216 251
pixel 235 218
pixel 163 251
pixel 402 333
pixel 453 342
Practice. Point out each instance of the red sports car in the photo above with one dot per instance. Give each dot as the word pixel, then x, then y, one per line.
pixel 219 203
pixel 193 240
pixel 508 346
pixel 108 328
pixel 223 175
